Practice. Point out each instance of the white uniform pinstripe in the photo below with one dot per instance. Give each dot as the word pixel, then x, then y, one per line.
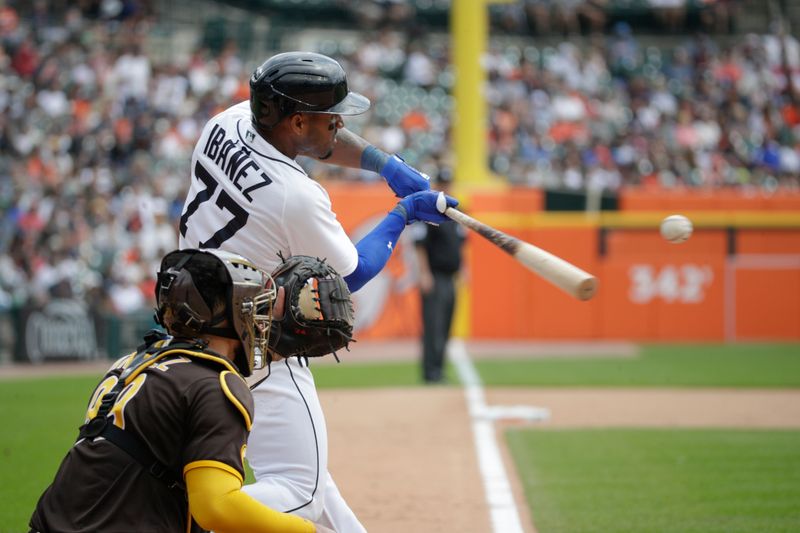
pixel 248 198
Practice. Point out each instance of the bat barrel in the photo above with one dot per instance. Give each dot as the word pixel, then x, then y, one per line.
pixel 586 288
pixel 564 275
pixel 557 271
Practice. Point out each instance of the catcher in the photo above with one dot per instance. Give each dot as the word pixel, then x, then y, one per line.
pixel 168 423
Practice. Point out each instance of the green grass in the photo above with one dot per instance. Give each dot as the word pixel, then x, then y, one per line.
pixel 664 365
pixel 641 481
pixel 362 375
pixel 712 365
pixel 40 420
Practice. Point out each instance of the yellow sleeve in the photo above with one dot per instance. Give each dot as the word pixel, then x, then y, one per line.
pixel 217 503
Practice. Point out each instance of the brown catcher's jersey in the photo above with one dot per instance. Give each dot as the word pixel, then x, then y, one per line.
pixel 190 408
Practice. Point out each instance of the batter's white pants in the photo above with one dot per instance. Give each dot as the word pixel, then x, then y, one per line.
pixel 288 450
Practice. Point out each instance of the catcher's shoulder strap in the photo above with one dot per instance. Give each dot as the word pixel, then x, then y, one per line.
pixel 235 389
pixel 133 446
pixel 154 349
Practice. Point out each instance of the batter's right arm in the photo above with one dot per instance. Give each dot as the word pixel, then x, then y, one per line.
pixel 354 151
pixel 348 149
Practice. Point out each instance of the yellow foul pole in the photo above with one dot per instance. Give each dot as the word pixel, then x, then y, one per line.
pixel 469 34
pixel 469 28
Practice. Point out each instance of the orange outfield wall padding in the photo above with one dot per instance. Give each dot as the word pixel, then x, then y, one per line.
pixel 773 241
pixel 767 302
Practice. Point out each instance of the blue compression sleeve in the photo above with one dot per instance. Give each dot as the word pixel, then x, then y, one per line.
pixel 375 249
pixel 374 159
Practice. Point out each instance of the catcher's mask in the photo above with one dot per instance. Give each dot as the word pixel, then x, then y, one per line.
pixel 301 82
pixel 217 293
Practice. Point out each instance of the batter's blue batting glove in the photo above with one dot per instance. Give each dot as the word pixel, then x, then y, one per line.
pixel 404 179
pixel 427 206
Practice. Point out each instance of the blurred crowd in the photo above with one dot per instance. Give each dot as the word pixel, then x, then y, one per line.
pixel 617 113
pixel 96 135
pixel 95 143
pixel 573 17
pixel 608 114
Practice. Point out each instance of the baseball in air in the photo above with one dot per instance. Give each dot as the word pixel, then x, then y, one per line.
pixel 676 228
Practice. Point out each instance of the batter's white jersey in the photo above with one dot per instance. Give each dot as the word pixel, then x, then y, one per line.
pixel 249 198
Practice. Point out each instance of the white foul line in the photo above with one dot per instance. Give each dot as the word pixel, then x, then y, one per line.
pixel 502 508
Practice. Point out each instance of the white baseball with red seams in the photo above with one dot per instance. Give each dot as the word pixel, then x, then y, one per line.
pixel 676 228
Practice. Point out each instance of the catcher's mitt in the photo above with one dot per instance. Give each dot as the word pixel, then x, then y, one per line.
pixel 318 317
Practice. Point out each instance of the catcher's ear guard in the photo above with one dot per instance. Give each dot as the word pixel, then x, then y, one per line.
pixel 192 314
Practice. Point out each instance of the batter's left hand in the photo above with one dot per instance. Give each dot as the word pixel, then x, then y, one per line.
pixel 404 179
pixel 427 206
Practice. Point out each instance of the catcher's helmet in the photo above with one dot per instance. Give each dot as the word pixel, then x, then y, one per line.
pixel 305 82
pixel 199 290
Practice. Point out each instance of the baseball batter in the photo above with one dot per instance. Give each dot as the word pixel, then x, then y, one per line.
pixel 249 195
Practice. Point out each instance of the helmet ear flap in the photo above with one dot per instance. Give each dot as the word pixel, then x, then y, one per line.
pixel 267 110
pixel 261 109
pixel 178 293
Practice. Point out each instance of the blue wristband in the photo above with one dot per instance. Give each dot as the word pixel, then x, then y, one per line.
pixel 400 210
pixel 373 158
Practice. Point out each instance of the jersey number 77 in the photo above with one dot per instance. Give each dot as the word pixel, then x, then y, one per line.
pixel 224 203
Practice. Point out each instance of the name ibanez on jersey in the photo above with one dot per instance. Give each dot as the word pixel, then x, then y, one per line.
pixel 236 164
pixel 247 195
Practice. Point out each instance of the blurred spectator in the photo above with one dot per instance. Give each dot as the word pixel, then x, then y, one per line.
pixel 131 75
pixel 670 13
pixel 9 22
pixel 570 15
pixel 385 14
pixel 420 68
pixel 25 58
pixel 719 16
pixel 539 15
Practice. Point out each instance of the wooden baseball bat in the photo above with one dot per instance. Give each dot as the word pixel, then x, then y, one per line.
pixel 555 270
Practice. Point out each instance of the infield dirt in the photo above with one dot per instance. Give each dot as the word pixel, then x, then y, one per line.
pixel 406 462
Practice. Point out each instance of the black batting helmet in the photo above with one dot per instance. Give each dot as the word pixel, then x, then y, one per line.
pixel 305 82
pixel 218 293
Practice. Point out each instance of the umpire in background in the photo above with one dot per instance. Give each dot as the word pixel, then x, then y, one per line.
pixel 439 251
pixel 163 445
